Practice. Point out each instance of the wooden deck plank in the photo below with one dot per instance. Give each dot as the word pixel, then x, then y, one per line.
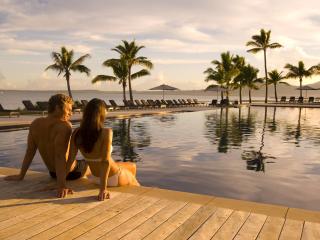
pixel 251 227
pixel 136 221
pixel 117 198
pixel 231 227
pixel 174 222
pixel 271 229
pixel 120 218
pixel 148 226
pixel 193 223
pixel 212 225
pixel 103 216
pixel 67 211
pixel 292 230
pixel 46 216
pixel 311 231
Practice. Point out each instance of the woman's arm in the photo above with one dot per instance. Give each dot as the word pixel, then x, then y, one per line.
pixel 105 164
pixel 73 150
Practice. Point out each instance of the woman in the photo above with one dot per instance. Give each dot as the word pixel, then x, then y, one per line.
pixel 95 143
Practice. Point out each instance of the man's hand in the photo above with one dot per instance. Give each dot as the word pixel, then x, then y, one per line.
pixel 103 194
pixel 17 177
pixel 63 192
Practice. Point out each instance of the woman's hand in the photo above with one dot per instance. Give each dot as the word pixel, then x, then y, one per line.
pixel 103 194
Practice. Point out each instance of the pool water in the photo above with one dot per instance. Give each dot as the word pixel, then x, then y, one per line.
pixel 268 155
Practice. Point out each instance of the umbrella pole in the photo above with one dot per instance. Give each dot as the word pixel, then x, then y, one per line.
pixel 162 94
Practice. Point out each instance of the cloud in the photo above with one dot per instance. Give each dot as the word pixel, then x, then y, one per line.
pixel 186 34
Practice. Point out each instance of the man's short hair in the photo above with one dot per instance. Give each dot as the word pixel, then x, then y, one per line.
pixel 58 100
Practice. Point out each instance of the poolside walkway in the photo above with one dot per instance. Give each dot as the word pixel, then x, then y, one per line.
pixel 24 121
pixel 28 211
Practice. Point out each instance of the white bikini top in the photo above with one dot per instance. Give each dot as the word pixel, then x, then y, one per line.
pixel 96 159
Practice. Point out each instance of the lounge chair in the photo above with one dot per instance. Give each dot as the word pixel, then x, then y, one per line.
pixel 32 108
pixel 300 100
pixel 130 104
pixel 311 100
pixel 283 99
pixel 8 112
pixel 138 103
pixel 84 103
pixel 152 103
pixel 198 103
pixel 317 100
pixel 43 106
pixel 116 106
pixel 182 103
pixel 292 99
pixel 177 103
pixel 214 102
pixel 160 104
pixel 185 102
pixel 171 104
pixel 224 102
pixel 146 104
pixel 189 101
pixel 235 103
pixel 108 107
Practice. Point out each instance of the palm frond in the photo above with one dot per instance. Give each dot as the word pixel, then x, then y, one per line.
pixel 255 50
pixel 81 68
pixel 80 60
pixel 103 78
pixel 55 67
pixel 141 73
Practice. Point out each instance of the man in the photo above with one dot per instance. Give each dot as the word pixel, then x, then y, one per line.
pixel 51 135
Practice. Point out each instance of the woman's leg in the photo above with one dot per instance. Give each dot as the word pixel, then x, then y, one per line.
pixel 126 178
pixel 129 166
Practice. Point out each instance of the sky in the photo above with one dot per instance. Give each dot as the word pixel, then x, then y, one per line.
pixel 181 38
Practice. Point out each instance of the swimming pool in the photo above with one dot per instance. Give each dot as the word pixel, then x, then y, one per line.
pixel 268 155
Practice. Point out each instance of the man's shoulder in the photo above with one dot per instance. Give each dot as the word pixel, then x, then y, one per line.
pixel 63 125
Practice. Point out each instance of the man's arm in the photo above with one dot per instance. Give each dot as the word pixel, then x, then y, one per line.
pixel 72 152
pixel 61 143
pixel 28 157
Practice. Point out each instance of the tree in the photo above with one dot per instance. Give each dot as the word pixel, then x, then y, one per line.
pixel 217 76
pixel 63 63
pixel 300 72
pixel 250 74
pixel 120 73
pixel 225 70
pixel 262 43
pixel 276 78
pixel 128 51
pixel 239 80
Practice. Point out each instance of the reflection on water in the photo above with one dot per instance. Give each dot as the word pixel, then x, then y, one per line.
pixel 267 155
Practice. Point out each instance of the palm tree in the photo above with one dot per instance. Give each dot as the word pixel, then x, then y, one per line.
pixel 128 51
pixel 250 74
pixel 226 69
pixel 120 72
pixel 276 78
pixel 239 81
pixel 217 76
pixel 300 72
pixel 262 43
pixel 63 63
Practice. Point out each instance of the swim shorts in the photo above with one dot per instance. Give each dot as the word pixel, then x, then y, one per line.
pixel 76 173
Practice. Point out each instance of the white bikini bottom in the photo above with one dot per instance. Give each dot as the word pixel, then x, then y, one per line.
pixel 113 181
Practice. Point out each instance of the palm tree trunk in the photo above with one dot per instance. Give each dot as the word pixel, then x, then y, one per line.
pixel 130 89
pixel 266 74
pixel 249 95
pixel 68 85
pixel 300 80
pixel 240 94
pixel 124 91
pixel 275 92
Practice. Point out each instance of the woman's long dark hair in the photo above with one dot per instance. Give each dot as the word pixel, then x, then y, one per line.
pixel 91 125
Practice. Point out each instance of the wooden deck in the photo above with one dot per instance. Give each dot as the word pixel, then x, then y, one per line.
pixel 29 210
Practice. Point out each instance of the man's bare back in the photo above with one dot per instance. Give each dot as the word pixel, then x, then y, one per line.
pixel 50 135
pixel 45 132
